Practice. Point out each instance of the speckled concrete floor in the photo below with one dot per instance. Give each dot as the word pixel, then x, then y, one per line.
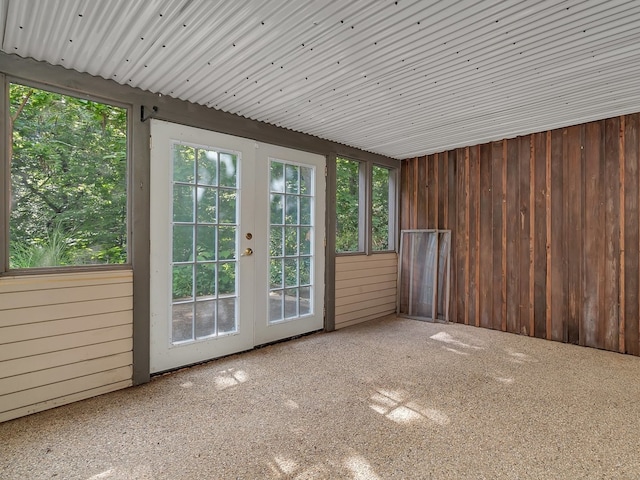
pixel 390 399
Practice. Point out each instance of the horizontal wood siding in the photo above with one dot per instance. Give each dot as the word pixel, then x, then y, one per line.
pixel 365 287
pixel 63 338
pixel 545 232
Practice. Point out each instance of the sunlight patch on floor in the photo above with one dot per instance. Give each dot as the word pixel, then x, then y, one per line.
pixel 105 474
pixel 230 378
pixel 519 357
pixel 360 468
pixel 453 350
pixel 141 472
pixel 402 414
pixel 505 380
pixel 286 465
pixel 291 405
pixel 397 407
pixel 446 338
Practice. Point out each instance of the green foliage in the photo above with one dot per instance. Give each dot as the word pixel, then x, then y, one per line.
pixel 380 209
pixel 205 182
pixel 347 205
pixel 68 180
pixel 182 282
pixel 348 185
pixel 48 252
pixel 205 280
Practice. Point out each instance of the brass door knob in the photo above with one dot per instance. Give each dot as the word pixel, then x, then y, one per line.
pixel 248 252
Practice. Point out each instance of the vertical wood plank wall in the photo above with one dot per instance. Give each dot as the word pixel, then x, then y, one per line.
pixel 365 287
pixel 63 338
pixel 545 231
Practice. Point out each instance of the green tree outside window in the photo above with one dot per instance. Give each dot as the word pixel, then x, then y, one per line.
pixel 68 180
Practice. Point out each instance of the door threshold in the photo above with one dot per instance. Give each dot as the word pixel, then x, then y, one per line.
pixel 211 360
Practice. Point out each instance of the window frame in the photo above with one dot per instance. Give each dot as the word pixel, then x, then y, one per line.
pixel 5 179
pixel 365 207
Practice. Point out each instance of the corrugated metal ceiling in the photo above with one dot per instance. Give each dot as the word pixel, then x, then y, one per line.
pixel 400 78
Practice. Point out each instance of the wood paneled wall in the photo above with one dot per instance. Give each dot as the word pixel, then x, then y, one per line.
pixel 63 338
pixel 365 287
pixel 545 231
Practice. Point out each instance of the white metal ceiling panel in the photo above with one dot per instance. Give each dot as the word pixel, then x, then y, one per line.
pixel 400 78
pixel 4 5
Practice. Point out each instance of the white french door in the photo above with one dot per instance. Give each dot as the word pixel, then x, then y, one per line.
pixel 237 255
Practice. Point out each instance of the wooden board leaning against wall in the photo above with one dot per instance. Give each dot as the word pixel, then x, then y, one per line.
pixel 545 231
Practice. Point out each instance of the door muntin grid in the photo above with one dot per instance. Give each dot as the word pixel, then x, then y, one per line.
pixel 291 240
pixel 204 263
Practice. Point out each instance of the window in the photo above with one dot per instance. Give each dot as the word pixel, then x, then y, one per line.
pixel 365 206
pixel 381 226
pixel 348 202
pixel 68 203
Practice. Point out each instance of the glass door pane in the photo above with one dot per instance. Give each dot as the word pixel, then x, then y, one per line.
pixel 291 240
pixel 204 243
